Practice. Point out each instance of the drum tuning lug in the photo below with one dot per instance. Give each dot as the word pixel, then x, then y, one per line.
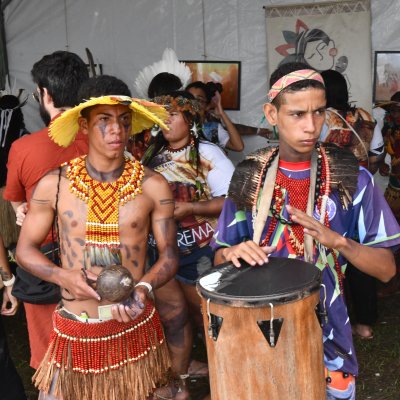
pixel 271 335
pixel 214 326
pixel 322 315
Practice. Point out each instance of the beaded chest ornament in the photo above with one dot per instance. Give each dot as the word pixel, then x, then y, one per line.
pixel 296 190
pixel 103 200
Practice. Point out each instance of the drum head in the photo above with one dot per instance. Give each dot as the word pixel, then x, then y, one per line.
pixel 281 280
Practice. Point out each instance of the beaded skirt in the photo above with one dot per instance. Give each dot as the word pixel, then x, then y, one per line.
pixel 104 360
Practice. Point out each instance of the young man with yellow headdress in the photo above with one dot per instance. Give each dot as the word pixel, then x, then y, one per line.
pixel 305 200
pixel 105 205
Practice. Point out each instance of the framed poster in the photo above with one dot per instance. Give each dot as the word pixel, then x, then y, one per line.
pixel 386 75
pixel 227 73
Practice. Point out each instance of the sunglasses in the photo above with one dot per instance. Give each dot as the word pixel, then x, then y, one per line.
pixel 36 96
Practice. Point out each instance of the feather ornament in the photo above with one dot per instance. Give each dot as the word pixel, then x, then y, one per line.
pixel 168 63
pixel 145 114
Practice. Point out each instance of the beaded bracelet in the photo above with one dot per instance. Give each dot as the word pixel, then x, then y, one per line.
pixel 10 282
pixel 145 284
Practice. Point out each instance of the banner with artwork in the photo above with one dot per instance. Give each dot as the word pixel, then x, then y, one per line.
pixel 334 35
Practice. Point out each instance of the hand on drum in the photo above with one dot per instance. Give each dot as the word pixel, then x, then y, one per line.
pixel 314 228
pixel 248 251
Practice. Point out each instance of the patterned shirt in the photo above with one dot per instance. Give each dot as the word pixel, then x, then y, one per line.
pixel 368 218
pixel 188 185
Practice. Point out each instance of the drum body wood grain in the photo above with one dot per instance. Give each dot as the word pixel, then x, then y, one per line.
pixel 245 362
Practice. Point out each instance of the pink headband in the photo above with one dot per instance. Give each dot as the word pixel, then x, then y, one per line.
pixel 293 77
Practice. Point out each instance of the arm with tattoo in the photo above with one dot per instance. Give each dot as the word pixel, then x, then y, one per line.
pixel 164 231
pixel 35 228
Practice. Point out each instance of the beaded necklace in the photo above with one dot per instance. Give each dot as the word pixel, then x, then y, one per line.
pixel 171 150
pixel 104 199
pixel 297 190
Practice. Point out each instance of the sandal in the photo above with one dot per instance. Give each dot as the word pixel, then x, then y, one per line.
pixel 198 369
pixel 362 331
pixel 177 389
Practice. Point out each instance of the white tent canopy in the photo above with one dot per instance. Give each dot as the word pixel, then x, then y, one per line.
pixel 125 36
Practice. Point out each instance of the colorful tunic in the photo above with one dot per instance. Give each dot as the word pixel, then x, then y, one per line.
pixel 368 216
pixel 338 131
pixel 212 180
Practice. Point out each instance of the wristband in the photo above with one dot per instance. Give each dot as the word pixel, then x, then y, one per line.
pixel 145 284
pixel 10 282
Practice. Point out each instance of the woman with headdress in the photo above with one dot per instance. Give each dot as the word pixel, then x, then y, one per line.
pixel 157 79
pixel 199 174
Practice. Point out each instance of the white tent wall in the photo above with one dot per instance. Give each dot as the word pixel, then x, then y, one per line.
pixel 126 35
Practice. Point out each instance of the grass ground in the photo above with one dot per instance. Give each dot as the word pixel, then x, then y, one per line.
pixel 379 358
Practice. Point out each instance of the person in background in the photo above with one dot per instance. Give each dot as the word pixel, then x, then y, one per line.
pixel 391 135
pixel 317 229
pixel 162 83
pixel 355 129
pixel 348 126
pixel 158 79
pixel 198 173
pixel 12 127
pixel 57 77
pixel 161 77
pixel 217 126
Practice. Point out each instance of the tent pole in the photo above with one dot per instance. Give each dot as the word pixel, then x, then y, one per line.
pixel 3 45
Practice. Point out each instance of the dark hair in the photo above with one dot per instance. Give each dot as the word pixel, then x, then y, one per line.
pixel 208 88
pixel 62 74
pixel 163 83
pixel 201 85
pixel 337 95
pixel 102 85
pixel 213 87
pixel 396 97
pixel 285 69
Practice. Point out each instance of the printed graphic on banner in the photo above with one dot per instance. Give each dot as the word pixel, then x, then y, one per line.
pixel 325 36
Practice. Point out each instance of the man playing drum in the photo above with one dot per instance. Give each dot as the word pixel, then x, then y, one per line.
pixel 305 200
pixel 104 204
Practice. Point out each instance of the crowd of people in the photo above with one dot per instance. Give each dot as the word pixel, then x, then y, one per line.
pixel 146 185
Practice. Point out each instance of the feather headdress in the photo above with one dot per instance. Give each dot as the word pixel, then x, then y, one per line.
pixel 145 114
pixel 169 63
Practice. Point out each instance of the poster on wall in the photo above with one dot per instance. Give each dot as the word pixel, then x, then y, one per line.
pixel 333 35
pixel 227 73
pixel 386 75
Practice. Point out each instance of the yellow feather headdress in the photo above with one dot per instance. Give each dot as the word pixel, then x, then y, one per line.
pixel 145 114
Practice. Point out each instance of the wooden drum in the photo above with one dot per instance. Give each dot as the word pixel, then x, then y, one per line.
pixel 264 339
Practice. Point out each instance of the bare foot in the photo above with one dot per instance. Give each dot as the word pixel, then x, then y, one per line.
pixel 362 331
pixel 198 369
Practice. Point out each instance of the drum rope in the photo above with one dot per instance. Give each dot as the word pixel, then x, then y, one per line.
pixel 271 327
pixel 324 312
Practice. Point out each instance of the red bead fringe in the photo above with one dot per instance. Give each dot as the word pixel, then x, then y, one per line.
pixel 104 351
